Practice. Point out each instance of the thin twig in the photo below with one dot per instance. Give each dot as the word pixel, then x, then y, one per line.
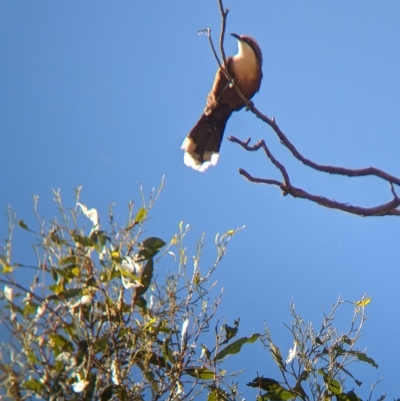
pixel 385 209
pixel 323 168
pixel 388 208
pixel 208 33
pixel 224 14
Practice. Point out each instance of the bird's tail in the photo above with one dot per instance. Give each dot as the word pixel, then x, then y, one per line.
pixel 203 142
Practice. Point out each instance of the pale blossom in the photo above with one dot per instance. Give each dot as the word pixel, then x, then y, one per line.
pixel 292 353
pixel 80 386
pixel 8 293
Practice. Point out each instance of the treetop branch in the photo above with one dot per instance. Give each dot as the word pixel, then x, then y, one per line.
pixel 389 208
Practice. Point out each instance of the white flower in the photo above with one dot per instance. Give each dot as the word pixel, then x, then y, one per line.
pixel 67 359
pixel 183 332
pixel 130 266
pixel 292 353
pixel 92 215
pixel 103 254
pixel 179 388
pixel 151 302
pixel 8 293
pixel 40 311
pixel 114 373
pixel 79 386
pixel 85 300
pixel 205 353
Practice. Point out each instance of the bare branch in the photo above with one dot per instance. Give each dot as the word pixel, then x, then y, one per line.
pixel 366 171
pixel 385 209
pixel 388 208
pixel 224 14
pixel 208 32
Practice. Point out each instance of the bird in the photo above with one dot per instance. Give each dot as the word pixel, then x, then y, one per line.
pixel 203 142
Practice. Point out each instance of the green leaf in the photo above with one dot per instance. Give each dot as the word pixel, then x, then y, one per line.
pixel 30 309
pixel 299 390
pixel 129 275
pixel 363 302
pixel 140 215
pixel 263 383
pixel 154 360
pixel 102 344
pixel 71 272
pixel 54 237
pixel 123 332
pixel 318 341
pixel 235 347
pixel 122 394
pixel 61 342
pixel 107 393
pixel 7 269
pixel 68 260
pixel 200 373
pixel 347 340
pixel 167 353
pixel 99 238
pixel 23 225
pixel 217 394
pixel 348 373
pixel 71 293
pixel 276 354
pixel 280 394
pixel 57 289
pixel 350 396
pixel 364 358
pixel 304 375
pixel 31 356
pixel 145 278
pixel 230 332
pixel 150 247
pixel 34 385
pixel 276 392
pixel 334 386
pixel 84 241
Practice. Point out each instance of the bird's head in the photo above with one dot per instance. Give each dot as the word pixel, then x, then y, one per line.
pixel 248 44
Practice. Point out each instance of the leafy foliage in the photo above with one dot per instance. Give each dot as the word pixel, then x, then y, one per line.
pixel 317 365
pixel 101 320
pixel 96 324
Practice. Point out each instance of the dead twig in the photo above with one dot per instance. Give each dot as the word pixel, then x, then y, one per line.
pixel 389 208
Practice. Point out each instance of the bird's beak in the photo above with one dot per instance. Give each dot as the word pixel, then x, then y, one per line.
pixel 235 35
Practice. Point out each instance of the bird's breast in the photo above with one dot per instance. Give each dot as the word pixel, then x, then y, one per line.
pixel 247 74
pixel 245 67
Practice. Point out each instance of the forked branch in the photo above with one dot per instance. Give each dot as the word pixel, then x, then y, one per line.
pixel 389 208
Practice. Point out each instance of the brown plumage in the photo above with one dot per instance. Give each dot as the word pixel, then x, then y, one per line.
pixel 203 142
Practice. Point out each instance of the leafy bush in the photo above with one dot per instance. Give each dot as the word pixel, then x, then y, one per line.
pixel 96 323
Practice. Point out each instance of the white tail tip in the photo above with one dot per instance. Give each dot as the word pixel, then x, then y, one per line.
pixel 192 159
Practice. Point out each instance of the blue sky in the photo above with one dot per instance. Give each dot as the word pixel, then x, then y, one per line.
pixel 101 94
